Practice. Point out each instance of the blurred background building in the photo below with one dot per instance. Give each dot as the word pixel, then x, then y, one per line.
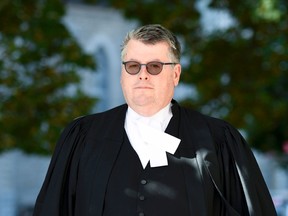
pixel 100 31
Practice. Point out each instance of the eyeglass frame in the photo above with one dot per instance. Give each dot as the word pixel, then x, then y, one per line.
pixel 162 64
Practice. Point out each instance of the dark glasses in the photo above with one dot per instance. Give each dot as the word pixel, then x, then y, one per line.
pixel 153 68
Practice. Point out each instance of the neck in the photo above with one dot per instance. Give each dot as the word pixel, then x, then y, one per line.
pixel 146 111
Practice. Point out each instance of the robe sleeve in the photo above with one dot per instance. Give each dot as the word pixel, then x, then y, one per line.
pixel 56 196
pixel 243 185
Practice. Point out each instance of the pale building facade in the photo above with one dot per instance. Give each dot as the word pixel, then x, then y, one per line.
pixel 100 31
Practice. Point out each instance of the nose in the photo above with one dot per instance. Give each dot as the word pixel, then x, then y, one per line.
pixel 143 73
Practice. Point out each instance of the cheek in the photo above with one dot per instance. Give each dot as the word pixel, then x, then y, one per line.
pixel 123 79
pixel 172 81
pixel 123 83
pixel 126 84
pixel 165 88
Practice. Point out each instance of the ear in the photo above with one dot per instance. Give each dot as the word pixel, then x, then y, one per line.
pixel 176 74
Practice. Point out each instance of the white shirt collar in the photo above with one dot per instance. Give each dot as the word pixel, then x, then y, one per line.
pixel 162 117
pixel 147 137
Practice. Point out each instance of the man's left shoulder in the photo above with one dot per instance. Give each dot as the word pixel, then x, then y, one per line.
pixel 194 115
pixel 217 127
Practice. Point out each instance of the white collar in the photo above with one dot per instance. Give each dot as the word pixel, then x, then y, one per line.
pixel 147 136
pixel 162 117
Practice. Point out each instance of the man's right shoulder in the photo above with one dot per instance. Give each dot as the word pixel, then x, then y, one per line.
pixel 102 117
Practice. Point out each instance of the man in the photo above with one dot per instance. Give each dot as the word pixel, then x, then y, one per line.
pixel 151 156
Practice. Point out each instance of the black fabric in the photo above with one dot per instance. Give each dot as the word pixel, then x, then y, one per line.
pixel 79 171
pixel 153 191
pixel 122 190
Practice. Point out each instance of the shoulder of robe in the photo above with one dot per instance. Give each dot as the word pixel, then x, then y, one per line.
pixel 98 121
pixel 99 117
pixel 219 128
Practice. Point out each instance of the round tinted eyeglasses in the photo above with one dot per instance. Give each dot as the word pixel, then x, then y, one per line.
pixel 153 68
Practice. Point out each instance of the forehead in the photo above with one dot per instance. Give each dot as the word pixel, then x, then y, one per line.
pixel 137 50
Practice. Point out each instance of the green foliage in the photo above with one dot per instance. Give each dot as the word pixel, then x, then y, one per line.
pixel 240 73
pixel 39 75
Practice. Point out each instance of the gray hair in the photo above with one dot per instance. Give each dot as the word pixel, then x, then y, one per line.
pixel 152 34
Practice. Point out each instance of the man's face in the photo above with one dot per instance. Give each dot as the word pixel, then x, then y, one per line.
pixel 146 93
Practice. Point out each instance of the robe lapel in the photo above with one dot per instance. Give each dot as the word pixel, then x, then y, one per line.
pixel 101 176
pixel 102 161
pixel 197 156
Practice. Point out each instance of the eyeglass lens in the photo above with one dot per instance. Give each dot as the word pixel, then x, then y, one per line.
pixel 153 68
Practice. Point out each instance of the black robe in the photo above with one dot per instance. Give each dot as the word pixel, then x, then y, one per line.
pixel 221 173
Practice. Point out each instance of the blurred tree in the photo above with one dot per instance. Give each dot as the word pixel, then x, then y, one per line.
pixel 248 67
pixel 39 82
pixel 240 73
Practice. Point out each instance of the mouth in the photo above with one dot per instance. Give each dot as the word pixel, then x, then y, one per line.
pixel 143 87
